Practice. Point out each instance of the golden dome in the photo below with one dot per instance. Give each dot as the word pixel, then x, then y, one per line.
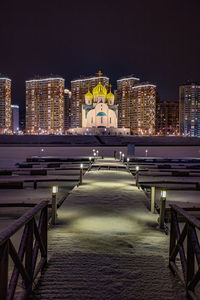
pixel 110 96
pixel 99 90
pixel 89 95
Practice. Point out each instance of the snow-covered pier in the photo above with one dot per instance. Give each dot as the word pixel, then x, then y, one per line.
pixel 107 244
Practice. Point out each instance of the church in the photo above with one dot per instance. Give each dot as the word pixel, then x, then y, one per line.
pixel 99 114
pixel 99 110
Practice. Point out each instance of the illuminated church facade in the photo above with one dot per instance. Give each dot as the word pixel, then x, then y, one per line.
pixel 99 110
pixel 99 114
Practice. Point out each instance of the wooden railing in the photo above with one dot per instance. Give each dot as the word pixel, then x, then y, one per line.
pixel 184 253
pixel 17 280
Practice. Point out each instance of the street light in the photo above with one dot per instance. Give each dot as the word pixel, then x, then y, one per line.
pixel 146 152
pixel 127 161
pixel 163 196
pixel 81 174
pixel 54 190
pixel 137 175
pixel 120 155
pixel 54 204
pixel 95 156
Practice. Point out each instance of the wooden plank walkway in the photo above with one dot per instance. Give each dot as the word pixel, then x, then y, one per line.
pixel 106 245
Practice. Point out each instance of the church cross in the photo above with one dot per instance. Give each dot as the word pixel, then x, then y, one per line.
pixel 100 73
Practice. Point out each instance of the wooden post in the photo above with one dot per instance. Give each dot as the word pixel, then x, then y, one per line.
pixel 127 160
pixel 4 249
pixel 153 199
pixel 35 184
pixel 81 175
pixel 137 178
pixel 54 208
pixel 120 155
pixel 172 243
pixel 162 212
pixel 190 256
pixel 29 255
pixel 44 229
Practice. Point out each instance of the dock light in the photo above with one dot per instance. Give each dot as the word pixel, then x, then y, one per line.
pixel 137 176
pixel 81 174
pixel 120 155
pixel 54 204
pixel 163 194
pixel 54 189
pixel 127 161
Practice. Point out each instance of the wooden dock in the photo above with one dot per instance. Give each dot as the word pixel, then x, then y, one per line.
pixel 107 244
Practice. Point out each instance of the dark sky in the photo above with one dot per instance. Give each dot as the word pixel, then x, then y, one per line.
pixel 156 40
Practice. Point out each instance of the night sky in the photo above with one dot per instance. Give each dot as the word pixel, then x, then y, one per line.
pixel 156 40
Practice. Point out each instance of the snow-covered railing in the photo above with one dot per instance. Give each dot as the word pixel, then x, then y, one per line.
pixel 31 256
pixel 185 242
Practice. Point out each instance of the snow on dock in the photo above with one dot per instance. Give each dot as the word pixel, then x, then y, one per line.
pixel 107 245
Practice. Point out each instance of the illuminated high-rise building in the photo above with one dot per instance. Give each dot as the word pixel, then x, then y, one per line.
pixel 5 106
pixel 79 88
pixel 124 96
pixel 189 109
pixel 15 118
pixel 143 109
pixel 137 105
pixel 167 118
pixel 67 109
pixel 45 106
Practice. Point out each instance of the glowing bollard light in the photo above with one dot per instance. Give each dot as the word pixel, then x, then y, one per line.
pixel 90 163
pixel 163 196
pixel 146 152
pixel 120 155
pixel 54 204
pixel 128 161
pixel 81 174
pixel 137 168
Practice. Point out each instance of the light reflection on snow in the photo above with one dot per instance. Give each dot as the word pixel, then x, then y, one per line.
pixel 106 224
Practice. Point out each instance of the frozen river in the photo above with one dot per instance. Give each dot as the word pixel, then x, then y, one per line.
pixel 9 155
